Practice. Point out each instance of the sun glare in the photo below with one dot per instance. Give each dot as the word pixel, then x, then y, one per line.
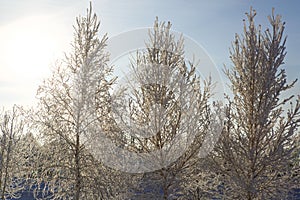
pixel 29 51
pixel 28 47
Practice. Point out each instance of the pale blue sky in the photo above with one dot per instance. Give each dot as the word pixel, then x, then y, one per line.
pixel 211 23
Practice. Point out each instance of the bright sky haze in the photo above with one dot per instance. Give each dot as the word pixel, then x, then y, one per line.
pixel 36 33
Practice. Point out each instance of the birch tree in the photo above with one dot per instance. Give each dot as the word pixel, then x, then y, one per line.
pixel 70 104
pixel 12 174
pixel 256 154
pixel 163 113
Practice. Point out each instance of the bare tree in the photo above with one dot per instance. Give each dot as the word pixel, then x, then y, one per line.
pixel 256 153
pixel 69 111
pixel 163 113
pixel 12 174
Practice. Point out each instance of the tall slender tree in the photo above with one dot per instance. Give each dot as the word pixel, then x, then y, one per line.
pixel 164 114
pixel 70 104
pixel 256 152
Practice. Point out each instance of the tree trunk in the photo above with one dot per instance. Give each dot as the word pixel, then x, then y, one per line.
pixel 77 169
pixel 2 161
pixel 7 161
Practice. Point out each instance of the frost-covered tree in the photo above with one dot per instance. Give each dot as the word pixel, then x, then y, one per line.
pixel 163 114
pixel 256 153
pixel 201 182
pixel 12 172
pixel 70 107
